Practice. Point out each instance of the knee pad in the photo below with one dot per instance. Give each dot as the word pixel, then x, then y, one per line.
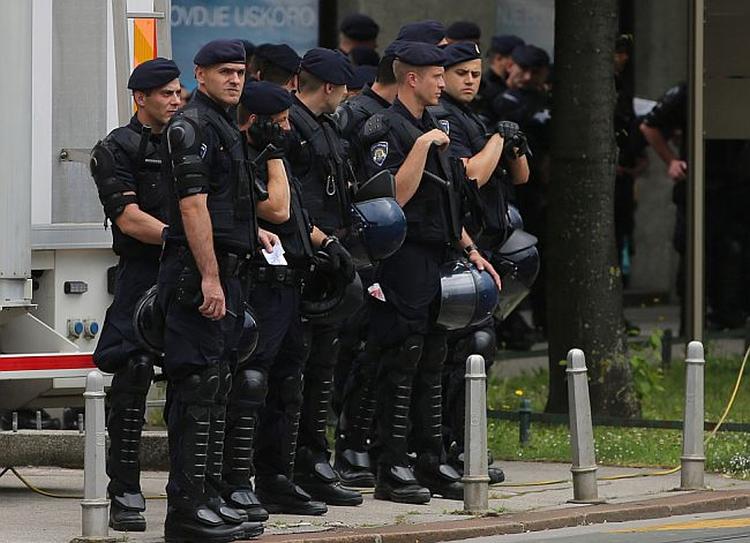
pixel 483 343
pixel 291 393
pixel 135 376
pixel 405 357
pixel 201 387
pixel 250 388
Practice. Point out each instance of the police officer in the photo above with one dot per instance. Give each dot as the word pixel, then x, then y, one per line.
pixel 125 167
pixel 492 158
pixel 493 82
pixel 277 63
pixel 212 232
pixel 354 397
pixel 319 161
pixel 266 398
pixel 406 140
pixel 526 103
pixel 358 30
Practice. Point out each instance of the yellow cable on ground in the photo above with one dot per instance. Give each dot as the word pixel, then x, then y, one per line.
pixel 675 469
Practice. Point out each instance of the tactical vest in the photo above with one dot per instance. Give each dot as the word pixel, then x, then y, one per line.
pixel 493 200
pixel 351 116
pixel 144 153
pixel 435 211
pixel 323 170
pixel 294 233
pixel 231 200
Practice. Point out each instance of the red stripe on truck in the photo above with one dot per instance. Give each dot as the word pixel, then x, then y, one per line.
pixel 46 362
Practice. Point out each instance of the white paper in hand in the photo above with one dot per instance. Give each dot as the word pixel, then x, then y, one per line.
pixel 275 257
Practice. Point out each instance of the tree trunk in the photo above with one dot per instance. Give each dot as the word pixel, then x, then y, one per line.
pixel 583 278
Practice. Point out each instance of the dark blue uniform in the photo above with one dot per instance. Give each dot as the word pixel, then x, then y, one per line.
pixel 134 168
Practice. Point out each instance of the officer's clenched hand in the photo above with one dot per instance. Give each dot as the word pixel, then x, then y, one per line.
pixel 476 258
pixel 214 305
pixel 507 129
pixel 435 137
pixel 339 257
pixel 267 239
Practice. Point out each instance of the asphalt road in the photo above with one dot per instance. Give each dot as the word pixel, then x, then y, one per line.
pixel 722 527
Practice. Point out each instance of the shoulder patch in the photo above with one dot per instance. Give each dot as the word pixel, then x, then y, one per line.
pixel 379 152
pixel 375 127
pixel 445 126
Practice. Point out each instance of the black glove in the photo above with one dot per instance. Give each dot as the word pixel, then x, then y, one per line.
pixel 507 129
pixel 521 144
pixel 265 132
pixel 338 258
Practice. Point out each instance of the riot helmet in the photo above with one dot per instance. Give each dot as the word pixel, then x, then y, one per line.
pixel 148 322
pixel 517 263
pixel 248 340
pixel 468 296
pixel 327 298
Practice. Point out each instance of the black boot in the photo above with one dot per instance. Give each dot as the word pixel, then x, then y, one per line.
pixel 248 394
pixel 352 460
pixel 316 477
pixel 279 494
pixel 127 407
pixel 398 484
pixel 214 483
pixel 456 461
pixel 190 513
pixel 275 461
pixel 441 479
pixel 125 513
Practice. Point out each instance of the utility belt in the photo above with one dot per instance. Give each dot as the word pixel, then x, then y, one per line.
pixel 231 264
pixel 278 276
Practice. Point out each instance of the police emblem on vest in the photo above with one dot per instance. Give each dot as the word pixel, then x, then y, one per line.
pixel 379 152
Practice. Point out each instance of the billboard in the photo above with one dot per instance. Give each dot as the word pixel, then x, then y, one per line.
pixel 196 22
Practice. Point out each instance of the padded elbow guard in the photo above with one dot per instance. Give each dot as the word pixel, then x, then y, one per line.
pixel 187 150
pixel 111 189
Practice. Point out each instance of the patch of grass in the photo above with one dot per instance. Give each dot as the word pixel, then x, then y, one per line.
pixel 726 453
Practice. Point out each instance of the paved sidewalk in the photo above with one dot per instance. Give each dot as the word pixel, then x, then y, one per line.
pixel 28 517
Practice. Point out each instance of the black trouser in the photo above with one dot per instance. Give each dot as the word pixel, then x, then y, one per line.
pixel 196 362
pixel 408 374
pixel 118 352
pixel 282 349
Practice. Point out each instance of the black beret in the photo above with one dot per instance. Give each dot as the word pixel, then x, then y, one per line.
pixel 461 52
pixel 505 43
pixel 265 98
pixel 361 76
pixel 364 56
pixel 421 54
pixel 327 65
pixel 464 30
pixel 530 56
pixel 280 55
pixel 153 73
pixel 429 31
pixel 249 48
pixel 220 51
pixel 360 27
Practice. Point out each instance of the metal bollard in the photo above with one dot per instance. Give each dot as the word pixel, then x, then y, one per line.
pixel 524 421
pixel 95 504
pixel 38 420
pixel 14 423
pixel 475 479
pixel 581 431
pixel 693 458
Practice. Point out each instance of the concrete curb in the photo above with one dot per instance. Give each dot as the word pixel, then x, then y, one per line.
pixel 514 523
pixel 64 448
